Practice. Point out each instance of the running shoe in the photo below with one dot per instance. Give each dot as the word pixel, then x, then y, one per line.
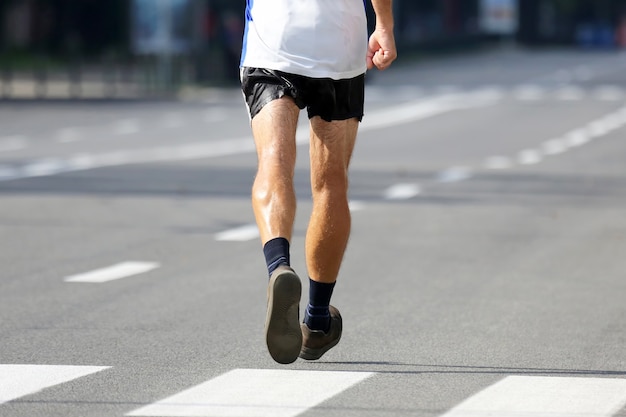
pixel 316 342
pixel 282 323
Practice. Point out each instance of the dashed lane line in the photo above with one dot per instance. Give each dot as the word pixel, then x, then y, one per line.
pixel 402 192
pixel 239 234
pixel 570 140
pixel 201 150
pixel 454 174
pixel 114 272
pixel 255 393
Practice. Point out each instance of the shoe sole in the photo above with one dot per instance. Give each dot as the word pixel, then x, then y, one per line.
pixel 282 324
pixel 315 354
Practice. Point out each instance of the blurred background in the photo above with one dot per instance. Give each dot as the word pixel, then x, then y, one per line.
pixel 81 48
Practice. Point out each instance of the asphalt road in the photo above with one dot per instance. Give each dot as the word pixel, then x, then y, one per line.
pixel 485 273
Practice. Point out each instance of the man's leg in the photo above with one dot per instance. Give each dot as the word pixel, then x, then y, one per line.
pixel 274 205
pixel 327 236
pixel 328 232
pixel 273 195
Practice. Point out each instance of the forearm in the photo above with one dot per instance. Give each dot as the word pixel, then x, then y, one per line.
pixel 384 14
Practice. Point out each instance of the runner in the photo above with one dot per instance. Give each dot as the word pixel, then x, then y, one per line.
pixel 309 54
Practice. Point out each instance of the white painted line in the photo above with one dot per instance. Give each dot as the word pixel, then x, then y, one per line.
pixel 498 162
pixel 118 271
pixel 535 396
pixel 597 129
pixel 408 112
pixel 356 205
pixel 43 167
pixel 402 192
pixel 614 121
pixel 577 138
pixel 239 234
pixel 203 149
pixel 455 174
pixel 19 380
pixel 529 157
pixel 12 143
pixel 255 393
pixel 554 147
pixel 126 127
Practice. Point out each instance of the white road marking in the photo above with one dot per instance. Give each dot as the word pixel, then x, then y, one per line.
pixel 529 157
pixel 423 109
pixel 597 129
pixel 577 138
pixel 402 192
pixel 19 380
pixel 12 143
pixel 239 234
pixel 536 396
pixel 126 127
pixel 118 271
pixel 498 162
pixel 454 174
pixel 554 147
pixel 255 393
pixel 356 205
pixel 43 167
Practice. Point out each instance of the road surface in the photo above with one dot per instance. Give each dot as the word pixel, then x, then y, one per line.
pixel 485 274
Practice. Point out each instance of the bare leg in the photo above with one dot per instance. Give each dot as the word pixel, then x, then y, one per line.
pixel 329 227
pixel 274 205
pixel 273 195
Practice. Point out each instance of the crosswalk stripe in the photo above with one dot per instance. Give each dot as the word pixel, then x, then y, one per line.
pixel 19 380
pixel 255 393
pixel 537 396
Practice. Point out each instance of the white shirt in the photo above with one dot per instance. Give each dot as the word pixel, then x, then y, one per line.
pixel 314 38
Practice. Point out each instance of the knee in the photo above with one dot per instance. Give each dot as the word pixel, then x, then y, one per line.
pixel 332 183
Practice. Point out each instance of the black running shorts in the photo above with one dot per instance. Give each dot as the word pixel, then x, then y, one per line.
pixel 324 97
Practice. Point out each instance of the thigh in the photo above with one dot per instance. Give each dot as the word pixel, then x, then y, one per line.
pixel 331 148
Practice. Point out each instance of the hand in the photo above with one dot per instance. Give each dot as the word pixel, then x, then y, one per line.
pixel 381 51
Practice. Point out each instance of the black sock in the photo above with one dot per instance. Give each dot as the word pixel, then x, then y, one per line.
pixel 316 315
pixel 276 253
